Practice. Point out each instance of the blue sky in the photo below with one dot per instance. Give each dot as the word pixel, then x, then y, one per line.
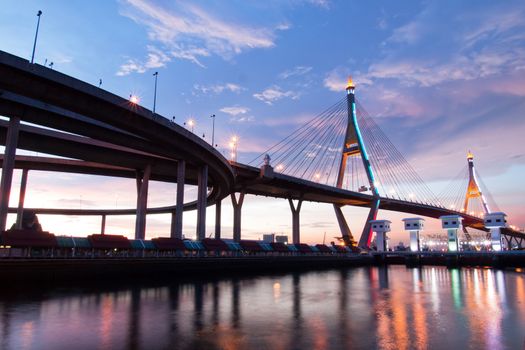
pixel 441 77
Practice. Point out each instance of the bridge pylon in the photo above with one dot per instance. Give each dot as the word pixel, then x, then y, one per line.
pixel 354 146
pixel 473 189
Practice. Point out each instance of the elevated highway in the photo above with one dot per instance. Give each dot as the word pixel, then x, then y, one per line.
pixel 96 132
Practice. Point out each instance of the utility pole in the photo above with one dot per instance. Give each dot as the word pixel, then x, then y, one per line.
pixel 39 13
pixel 156 74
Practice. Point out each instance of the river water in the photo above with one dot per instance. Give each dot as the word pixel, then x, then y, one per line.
pixel 361 308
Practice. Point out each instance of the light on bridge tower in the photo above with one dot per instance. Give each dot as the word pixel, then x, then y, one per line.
pixel 473 190
pixel 354 146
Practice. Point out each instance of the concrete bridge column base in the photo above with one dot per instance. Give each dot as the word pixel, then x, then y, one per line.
pixel 7 169
pixel 237 206
pixel 296 228
pixel 218 205
pixel 343 226
pixel 142 202
pixel 176 216
pixel 202 197
pixel 366 235
pixel 21 199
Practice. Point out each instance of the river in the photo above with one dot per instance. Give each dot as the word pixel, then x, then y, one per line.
pixel 360 308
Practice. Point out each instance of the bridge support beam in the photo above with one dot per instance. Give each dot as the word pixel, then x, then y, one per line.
pixel 218 219
pixel 7 169
pixel 296 227
pixel 366 235
pixel 176 217
pixel 21 199
pixel 237 211
pixel 142 202
pixel 343 226
pixel 202 198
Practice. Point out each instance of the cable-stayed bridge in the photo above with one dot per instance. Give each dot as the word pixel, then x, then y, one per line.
pixel 340 157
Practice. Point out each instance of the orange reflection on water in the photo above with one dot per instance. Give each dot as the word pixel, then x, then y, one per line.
pixel 319 333
pixel 27 335
pixel 105 331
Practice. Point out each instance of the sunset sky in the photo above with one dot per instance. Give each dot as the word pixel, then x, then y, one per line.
pixel 440 78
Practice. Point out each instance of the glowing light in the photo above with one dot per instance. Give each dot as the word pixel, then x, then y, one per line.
pixel 411 195
pixel 279 167
pixel 350 84
pixel 452 206
pixel 472 213
pixel 317 176
pixel 470 155
pixel 134 99
pixel 191 122
pixel 232 145
pixel 234 139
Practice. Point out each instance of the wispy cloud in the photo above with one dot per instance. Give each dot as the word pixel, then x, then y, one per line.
pixel 216 88
pixel 189 32
pixel 275 93
pixel 238 114
pixel 296 71
pixel 156 59
pixel 235 110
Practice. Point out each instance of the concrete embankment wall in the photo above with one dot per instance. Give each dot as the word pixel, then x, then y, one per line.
pixel 51 270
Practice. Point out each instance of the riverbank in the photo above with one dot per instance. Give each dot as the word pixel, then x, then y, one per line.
pixel 30 271
pixel 78 270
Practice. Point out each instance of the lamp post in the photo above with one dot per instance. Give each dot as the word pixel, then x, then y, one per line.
pixel 156 74
pixel 213 131
pixel 191 123
pixel 233 149
pixel 39 13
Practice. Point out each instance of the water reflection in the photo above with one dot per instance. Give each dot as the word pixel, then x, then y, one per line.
pixel 385 308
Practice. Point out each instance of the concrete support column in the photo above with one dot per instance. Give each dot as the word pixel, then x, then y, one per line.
pixel 7 169
pixel 343 226
pixel 496 241
pixel 237 206
pixel 142 203
pixel 202 197
pixel 176 217
pixel 21 199
pixel 103 225
pixel 366 235
pixel 296 229
pixel 218 219
pixel 173 226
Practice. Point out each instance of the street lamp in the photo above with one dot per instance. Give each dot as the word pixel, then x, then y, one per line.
pixel 191 123
pixel 156 74
pixel 233 148
pixel 134 99
pixel 213 131
pixel 39 13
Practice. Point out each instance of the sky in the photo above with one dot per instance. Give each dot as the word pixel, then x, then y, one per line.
pixel 439 77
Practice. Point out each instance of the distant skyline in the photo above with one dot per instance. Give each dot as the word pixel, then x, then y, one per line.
pixel 441 78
